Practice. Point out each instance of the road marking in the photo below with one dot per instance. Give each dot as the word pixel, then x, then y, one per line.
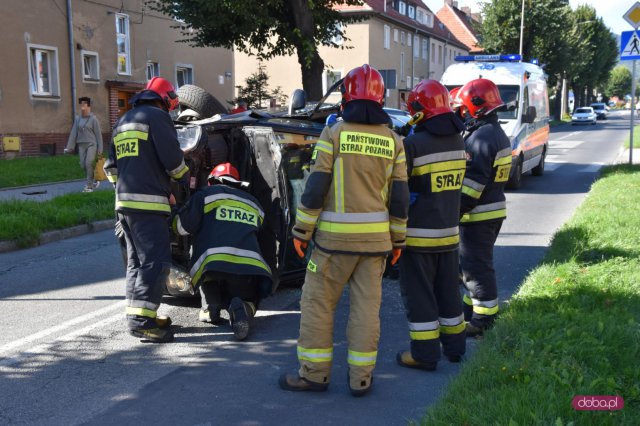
pixel 51 330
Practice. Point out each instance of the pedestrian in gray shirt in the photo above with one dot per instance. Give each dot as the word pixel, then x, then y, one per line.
pixel 86 134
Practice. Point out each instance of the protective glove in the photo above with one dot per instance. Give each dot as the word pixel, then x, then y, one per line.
pixel 413 196
pixel 299 245
pixel 395 255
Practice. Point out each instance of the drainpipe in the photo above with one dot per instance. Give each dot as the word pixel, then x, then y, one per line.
pixel 72 62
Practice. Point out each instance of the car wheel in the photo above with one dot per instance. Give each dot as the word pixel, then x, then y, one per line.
pixel 199 100
pixel 539 169
pixel 515 181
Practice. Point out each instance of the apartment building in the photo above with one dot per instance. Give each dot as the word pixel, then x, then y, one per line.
pixel 462 23
pixel 404 40
pixel 113 48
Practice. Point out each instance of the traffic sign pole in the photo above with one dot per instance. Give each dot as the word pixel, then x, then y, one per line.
pixel 632 17
pixel 633 106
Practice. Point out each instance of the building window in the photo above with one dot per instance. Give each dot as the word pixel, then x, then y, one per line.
pixel 408 82
pixel 429 20
pixel 153 70
pixel 90 66
pixel 411 12
pixel 420 16
pixel 387 37
pixel 402 38
pixel 401 63
pixel 184 75
pixel 395 35
pixel 439 54
pixel 337 39
pixel 402 8
pixel 425 49
pixel 329 78
pixel 408 39
pixel 389 78
pixel 122 34
pixel 416 46
pixel 433 52
pixel 43 70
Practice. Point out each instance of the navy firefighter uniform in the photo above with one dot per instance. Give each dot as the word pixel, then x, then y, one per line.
pixel 429 267
pixel 483 203
pixel 144 156
pixel 226 262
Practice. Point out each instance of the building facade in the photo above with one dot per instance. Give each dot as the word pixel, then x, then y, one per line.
pixel 116 46
pixel 402 39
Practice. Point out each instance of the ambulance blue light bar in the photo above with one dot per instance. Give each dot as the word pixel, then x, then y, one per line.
pixel 489 58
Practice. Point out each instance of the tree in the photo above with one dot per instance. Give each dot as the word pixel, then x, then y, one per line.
pixel 270 27
pixel 256 91
pixel 619 83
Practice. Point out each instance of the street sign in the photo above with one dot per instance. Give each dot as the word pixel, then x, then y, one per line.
pixel 629 45
pixel 633 15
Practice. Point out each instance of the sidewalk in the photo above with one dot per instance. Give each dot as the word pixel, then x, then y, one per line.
pixel 623 157
pixel 45 192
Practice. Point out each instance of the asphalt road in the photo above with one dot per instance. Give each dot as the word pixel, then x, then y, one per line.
pixel 65 357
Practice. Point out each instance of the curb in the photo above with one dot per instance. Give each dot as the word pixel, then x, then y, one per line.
pixel 61 234
pixel 42 184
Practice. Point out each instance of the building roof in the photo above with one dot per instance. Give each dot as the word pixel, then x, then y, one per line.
pixel 462 25
pixel 377 7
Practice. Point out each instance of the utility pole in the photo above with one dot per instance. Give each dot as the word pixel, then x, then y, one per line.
pixel 521 28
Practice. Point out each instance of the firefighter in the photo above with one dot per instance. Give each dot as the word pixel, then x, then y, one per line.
pixel 226 262
pixel 483 204
pixel 429 267
pixel 356 200
pixel 144 156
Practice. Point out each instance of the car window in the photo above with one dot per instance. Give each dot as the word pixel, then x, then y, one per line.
pixel 584 110
pixel 596 106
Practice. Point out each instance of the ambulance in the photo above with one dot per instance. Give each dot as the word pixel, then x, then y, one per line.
pixel 525 117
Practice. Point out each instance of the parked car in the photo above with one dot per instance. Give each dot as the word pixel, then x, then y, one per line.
pixel 600 109
pixel 584 115
pixel 271 150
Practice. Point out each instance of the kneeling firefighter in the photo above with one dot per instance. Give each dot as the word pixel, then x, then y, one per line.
pixel 356 200
pixel 483 203
pixel 429 267
pixel 226 262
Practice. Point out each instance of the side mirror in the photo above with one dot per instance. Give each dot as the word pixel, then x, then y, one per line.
pixel 297 101
pixel 530 115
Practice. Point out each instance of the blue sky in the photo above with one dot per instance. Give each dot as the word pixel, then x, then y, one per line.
pixel 611 11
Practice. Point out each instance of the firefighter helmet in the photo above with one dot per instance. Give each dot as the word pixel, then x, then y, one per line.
pixel 363 83
pixel 430 98
pixel 480 97
pixel 165 90
pixel 224 172
pixel 454 101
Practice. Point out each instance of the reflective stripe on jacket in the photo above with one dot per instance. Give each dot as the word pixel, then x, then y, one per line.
pixel 225 223
pixel 436 167
pixel 488 167
pixel 357 194
pixel 144 155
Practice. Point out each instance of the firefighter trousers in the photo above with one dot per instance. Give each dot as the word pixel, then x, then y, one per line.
pixel 218 288
pixel 479 277
pixel 429 286
pixel 148 262
pixel 326 277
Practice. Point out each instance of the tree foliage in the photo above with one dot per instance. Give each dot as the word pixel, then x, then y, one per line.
pixel 267 29
pixel 256 90
pixel 620 82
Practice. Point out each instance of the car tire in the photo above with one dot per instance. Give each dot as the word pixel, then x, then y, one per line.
pixel 539 169
pixel 515 181
pixel 199 100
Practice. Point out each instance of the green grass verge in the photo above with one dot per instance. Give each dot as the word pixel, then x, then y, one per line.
pixel 23 221
pixel 572 329
pixel 636 138
pixel 35 170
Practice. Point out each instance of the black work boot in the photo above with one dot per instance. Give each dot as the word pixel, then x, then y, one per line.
pixel 240 313
pixel 293 382
pixel 152 335
pixel 363 390
pixel 405 359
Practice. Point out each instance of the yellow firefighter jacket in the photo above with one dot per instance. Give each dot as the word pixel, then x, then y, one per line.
pixel 356 197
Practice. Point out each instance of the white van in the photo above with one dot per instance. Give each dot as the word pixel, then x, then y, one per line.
pixel 523 88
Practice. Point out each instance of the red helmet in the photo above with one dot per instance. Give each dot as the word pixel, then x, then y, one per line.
pixel 479 97
pixel 224 171
pixel 363 83
pixel 454 101
pixel 430 98
pixel 165 90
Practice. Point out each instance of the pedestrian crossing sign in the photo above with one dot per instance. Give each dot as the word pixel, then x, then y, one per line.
pixel 629 45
